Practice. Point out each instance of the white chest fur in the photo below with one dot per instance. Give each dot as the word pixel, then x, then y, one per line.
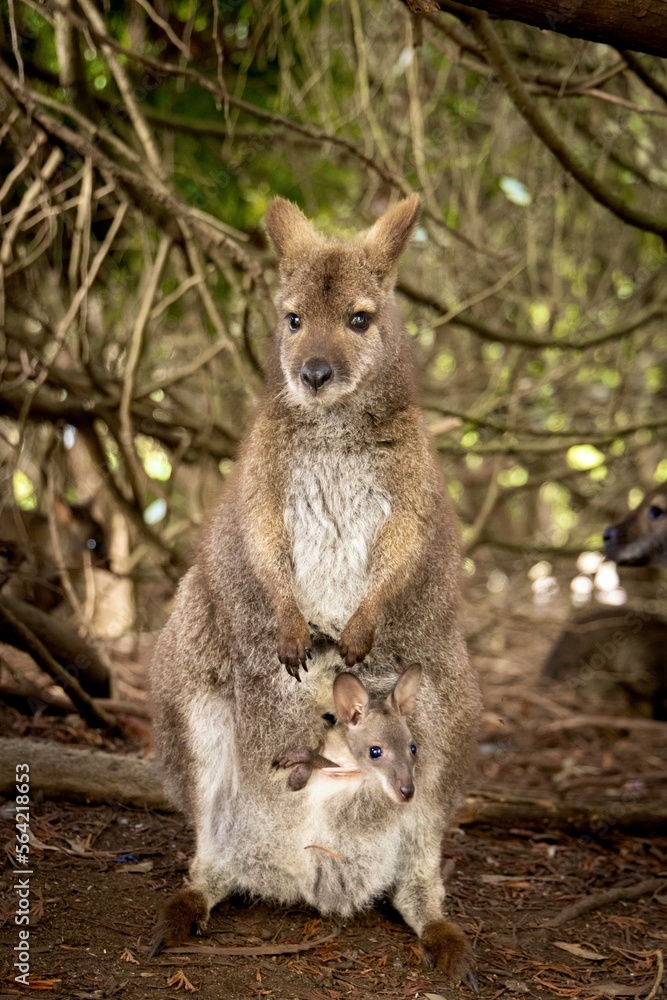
pixel 333 512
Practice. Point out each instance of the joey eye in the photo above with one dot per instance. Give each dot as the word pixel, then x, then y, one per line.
pixel 655 512
pixel 293 321
pixel 374 752
pixel 413 748
pixel 360 321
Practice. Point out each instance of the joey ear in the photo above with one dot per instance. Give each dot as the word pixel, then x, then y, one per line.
pixel 387 239
pixel 350 699
pixel 288 227
pixel 402 698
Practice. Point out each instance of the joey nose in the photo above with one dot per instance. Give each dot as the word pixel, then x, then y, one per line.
pixel 407 791
pixel 316 373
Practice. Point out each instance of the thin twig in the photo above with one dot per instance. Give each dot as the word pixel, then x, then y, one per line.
pixel 135 470
pixel 658 976
pixel 547 134
pixel 264 949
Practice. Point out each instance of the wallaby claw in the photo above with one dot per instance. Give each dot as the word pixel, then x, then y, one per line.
pixel 471 980
pixel 294 650
pixel 155 947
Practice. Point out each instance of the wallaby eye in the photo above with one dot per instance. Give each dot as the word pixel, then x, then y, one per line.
pixel 374 752
pixel 294 322
pixel 413 748
pixel 360 321
pixel 655 512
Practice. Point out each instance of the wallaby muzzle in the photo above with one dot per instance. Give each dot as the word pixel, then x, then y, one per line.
pixel 316 373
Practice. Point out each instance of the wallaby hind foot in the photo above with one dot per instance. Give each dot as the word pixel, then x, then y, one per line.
pixel 446 947
pixel 186 909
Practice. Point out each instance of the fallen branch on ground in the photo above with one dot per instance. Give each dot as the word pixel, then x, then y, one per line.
pixel 82 701
pixel 18 693
pixel 263 949
pixel 598 899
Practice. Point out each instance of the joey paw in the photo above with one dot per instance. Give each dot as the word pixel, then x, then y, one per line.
pixel 357 639
pixel 295 648
pixel 446 947
pixel 291 757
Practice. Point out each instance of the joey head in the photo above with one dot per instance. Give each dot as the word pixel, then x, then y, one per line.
pixel 370 738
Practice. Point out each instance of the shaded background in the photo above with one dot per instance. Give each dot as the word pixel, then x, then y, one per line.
pixel 140 147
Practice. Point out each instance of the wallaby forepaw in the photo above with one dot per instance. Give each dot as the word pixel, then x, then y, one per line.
pixel 446 947
pixel 185 910
pixel 295 648
pixel 357 639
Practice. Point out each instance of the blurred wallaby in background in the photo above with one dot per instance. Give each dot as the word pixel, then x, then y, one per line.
pixel 35 552
pixel 640 539
pixel 334 542
pixel 615 656
pixel 370 740
pixel 618 656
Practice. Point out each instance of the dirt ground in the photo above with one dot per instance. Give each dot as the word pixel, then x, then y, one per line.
pixel 101 874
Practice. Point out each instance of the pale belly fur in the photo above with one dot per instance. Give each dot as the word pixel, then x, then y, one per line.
pixel 333 513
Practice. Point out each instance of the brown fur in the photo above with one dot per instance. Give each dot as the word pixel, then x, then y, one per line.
pixel 334 542
pixel 619 655
pixel 640 538
pixel 186 909
pixel 446 947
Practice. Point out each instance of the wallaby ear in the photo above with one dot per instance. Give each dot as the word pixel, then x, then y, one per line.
pixel 350 699
pixel 402 698
pixel 387 239
pixel 288 227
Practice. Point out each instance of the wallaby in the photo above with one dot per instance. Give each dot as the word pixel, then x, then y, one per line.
pixel 640 538
pixel 619 655
pixel 370 740
pixel 28 563
pixel 334 538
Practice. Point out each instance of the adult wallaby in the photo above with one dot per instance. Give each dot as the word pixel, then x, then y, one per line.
pixel 370 740
pixel 640 538
pixel 619 655
pixel 334 538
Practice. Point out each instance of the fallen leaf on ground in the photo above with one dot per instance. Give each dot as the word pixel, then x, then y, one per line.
pixel 181 982
pixel 576 949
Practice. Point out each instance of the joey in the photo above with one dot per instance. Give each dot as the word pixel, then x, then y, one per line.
pixel 372 734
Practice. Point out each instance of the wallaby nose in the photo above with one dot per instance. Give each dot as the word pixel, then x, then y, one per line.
pixel 407 791
pixel 315 373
